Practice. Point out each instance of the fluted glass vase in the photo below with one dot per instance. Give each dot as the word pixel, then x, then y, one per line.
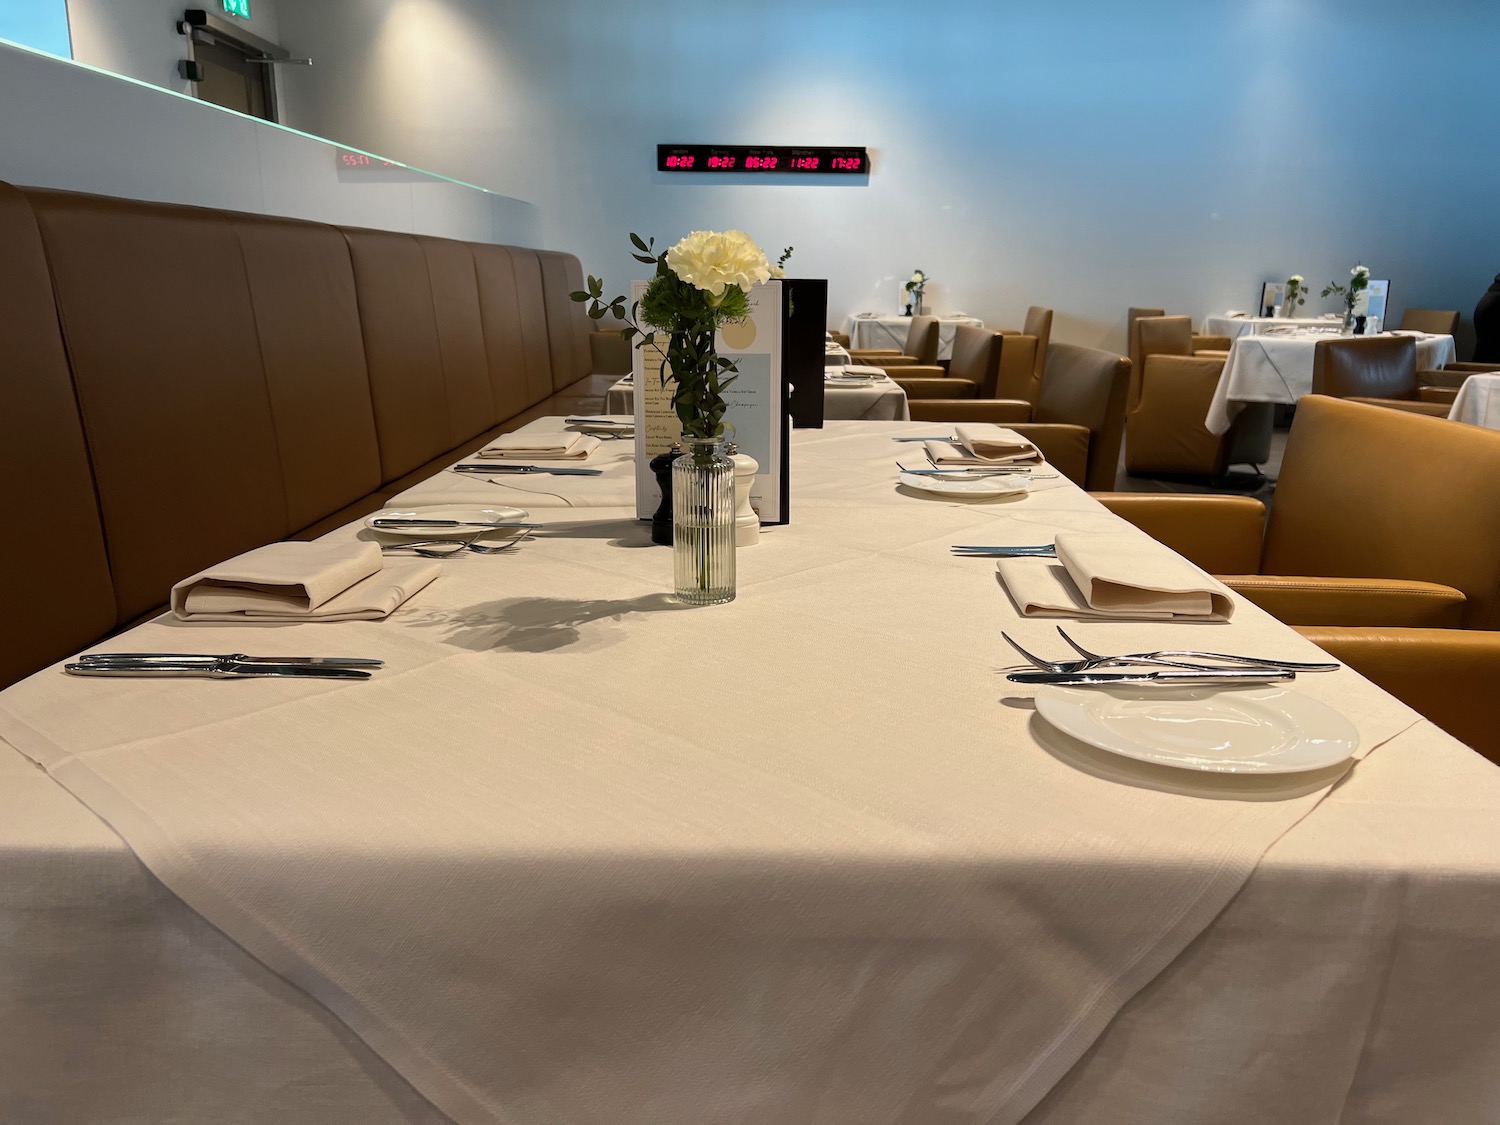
pixel 703 522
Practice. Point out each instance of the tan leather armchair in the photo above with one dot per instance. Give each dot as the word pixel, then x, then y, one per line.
pixel 1449 675
pixel 1379 370
pixel 1078 419
pixel 1038 326
pixel 609 352
pixel 1170 394
pixel 1205 344
pixel 984 365
pixel 1443 322
pixel 921 346
pixel 839 338
pixel 1366 527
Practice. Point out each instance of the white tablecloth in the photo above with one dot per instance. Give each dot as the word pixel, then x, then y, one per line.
pixel 835 355
pixel 1280 369
pixel 867 331
pixel 857 880
pixel 1236 326
pixel 843 400
pixel 1478 401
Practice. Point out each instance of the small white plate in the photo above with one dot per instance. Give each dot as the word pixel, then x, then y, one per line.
pixel 1006 484
pixel 448 512
pixel 1238 730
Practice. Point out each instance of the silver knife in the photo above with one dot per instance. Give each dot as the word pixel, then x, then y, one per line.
pixel 219 670
pixel 238 657
pixel 974 471
pixel 559 471
pixel 936 437
pixel 1227 676
pixel 1045 552
pixel 392 523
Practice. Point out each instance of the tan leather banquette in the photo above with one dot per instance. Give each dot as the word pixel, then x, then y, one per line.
pixel 179 384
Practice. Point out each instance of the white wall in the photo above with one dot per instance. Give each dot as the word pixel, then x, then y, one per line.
pixel 1083 154
pixel 64 125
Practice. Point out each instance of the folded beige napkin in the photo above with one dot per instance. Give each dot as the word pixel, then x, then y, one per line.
pixel 543 445
pixel 302 582
pixel 1113 575
pixel 983 443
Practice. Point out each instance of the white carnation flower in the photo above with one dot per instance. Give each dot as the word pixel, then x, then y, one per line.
pixel 918 278
pixel 777 272
pixel 1358 270
pixel 714 260
pixel 1297 277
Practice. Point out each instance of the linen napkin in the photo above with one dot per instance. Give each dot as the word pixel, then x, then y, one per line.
pixel 983 443
pixel 302 582
pixel 1114 575
pixel 542 445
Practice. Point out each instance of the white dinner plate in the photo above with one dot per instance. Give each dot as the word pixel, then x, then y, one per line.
pixel 998 485
pixel 466 513
pixel 1217 730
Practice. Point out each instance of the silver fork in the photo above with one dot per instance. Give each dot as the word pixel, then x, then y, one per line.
pixel 447 548
pixel 1070 667
pixel 1164 655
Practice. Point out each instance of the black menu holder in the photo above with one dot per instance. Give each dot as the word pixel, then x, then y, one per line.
pixel 804 319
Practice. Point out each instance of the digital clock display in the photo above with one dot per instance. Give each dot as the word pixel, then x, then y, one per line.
pixel 756 158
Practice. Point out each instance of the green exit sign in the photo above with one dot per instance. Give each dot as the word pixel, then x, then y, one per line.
pixel 238 8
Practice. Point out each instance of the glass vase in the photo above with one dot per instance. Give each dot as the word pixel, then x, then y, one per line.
pixel 1347 328
pixel 703 522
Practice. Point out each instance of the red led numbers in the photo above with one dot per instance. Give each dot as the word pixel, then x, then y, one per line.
pixel 762 158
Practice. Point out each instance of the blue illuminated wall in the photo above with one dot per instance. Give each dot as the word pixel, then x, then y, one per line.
pixel 42 24
pixel 1083 154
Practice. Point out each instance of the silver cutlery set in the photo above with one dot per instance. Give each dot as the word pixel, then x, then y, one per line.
pixel 1186 667
pixel 505 469
pixel 222 667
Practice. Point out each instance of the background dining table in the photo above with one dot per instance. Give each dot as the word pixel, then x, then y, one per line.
pixel 1478 401
pixel 851 392
pixel 868 330
pixel 582 854
pixel 1279 368
pixel 1236 326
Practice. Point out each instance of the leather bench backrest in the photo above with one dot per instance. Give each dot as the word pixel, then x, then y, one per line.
pixel 1369 492
pixel 1086 387
pixel 504 346
pixel 157 318
pixel 403 350
pixel 568 338
pixel 466 371
pixel 307 320
pixel 52 602
pixel 535 337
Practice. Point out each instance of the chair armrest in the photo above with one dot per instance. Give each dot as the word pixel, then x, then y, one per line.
pixel 1443 377
pixel 1003 411
pixel 912 370
pixel 1443 395
pixel 872 352
pixel 1351 601
pixel 1472 368
pixel 1064 445
pixel 1411 406
pixel 935 388
pixel 897 360
pixel 1448 675
pixel 1211 344
pixel 1221 534
pixel 840 338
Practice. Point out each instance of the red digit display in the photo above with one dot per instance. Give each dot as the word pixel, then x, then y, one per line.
pixel 762 158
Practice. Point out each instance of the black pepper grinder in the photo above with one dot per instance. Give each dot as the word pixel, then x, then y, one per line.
pixel 661 521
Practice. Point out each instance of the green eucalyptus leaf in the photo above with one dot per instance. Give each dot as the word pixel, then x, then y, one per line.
pixel 635 240
pixel 578 295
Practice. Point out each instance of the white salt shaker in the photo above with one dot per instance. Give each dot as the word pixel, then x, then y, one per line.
pixel 746 522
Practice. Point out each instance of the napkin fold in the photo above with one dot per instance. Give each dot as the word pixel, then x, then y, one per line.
pixel 542 445
pixel 983 443
pixel 302 582
pixel 1113 575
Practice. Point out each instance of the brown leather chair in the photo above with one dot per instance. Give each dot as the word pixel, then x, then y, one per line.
pixel 610 352
pixel 1169 398
pixel 1205 344
pixel 922 344
pixel 1078 418
pixel 1449 675
pixel 1443 322
pixel 1367 527
pixel 1038 326
pixel 979 357
pixel 1379 370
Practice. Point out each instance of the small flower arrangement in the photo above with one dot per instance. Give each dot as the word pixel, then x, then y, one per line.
pixel 1355 295
pixel 700 284
pixel 916 284
pixel 1296 293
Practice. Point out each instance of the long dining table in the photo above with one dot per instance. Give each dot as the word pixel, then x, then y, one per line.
pixel 581 854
